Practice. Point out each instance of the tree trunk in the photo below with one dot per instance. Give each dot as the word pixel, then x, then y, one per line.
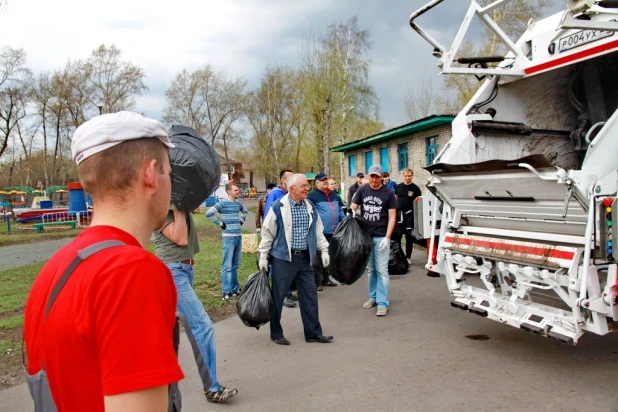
pixel 46 173
pixel 326 138
pixel 27 155
pixel 55 173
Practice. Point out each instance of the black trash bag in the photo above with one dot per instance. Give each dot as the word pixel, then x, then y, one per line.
pixel 397 262
pixel 349 250
pixel 196 168
pixel 255 301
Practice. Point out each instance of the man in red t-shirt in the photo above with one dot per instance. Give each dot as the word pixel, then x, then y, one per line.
pixel 107 342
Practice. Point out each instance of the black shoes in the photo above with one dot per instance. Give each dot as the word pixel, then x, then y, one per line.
pixel 221 396
pixel 319 339
pixel 281 341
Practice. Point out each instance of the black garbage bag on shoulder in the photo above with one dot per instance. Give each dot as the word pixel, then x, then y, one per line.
pixel 397 262
pixel 349 250
pixel 255 301
pixel 196 168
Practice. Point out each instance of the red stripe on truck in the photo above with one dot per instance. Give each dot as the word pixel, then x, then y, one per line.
pixel 531 250
pixel 572 57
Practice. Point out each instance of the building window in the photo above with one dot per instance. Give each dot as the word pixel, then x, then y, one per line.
pixel 368 160
pixel 384 158
pixel 431 149
pixel 402 155
pixel 352 165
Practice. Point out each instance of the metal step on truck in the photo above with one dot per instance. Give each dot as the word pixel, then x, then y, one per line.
pixel 525 224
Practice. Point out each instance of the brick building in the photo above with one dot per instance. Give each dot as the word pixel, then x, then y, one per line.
pixel 413 145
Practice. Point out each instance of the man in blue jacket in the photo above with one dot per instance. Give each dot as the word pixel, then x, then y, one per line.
pixel 330 208
pixel 279 191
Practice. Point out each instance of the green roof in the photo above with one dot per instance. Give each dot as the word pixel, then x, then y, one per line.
pixel 403 130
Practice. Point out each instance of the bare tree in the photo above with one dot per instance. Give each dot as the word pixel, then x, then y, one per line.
pixel 512 17
pixel 205 100
pixel 424 99
pixel 112 83
pixel 13 93
pixel 273 113
pixel 42 96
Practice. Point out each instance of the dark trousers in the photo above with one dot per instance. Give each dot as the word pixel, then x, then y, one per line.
pixel 409 243
pixel 283 274
pixel 321 273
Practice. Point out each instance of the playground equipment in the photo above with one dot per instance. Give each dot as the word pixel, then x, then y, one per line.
pixel 77 210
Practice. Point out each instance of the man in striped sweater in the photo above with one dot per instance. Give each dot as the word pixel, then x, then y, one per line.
pixel 230 214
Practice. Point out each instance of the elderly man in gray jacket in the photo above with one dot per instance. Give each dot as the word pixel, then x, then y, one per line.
pixel 291 234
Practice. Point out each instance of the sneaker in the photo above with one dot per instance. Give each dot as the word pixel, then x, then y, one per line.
pixel 227 296
pixel 369 304
pixel 289 303
pixel 295 297
pixel 382 311
pixel 320 288
pixel 235 295
pixel 221 396
pixel 409 261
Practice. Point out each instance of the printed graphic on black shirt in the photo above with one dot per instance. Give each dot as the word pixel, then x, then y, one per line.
pixel 372 208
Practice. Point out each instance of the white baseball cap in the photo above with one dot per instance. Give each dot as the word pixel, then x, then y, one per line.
pixel 108 130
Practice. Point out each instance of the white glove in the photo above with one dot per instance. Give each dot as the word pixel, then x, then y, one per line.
pixel 325 259
pixel 263 264
pixel 384 244
pixel 258 231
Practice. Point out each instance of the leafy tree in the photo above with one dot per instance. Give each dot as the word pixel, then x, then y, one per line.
pixel 336 81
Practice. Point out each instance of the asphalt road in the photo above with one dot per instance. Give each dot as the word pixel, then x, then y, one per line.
pixel 424 356
pixel 20 255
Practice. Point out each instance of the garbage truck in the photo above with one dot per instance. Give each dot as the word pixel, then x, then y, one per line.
pixel 523 224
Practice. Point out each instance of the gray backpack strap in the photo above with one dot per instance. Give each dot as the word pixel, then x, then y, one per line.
pixel 199 360
pixel 81 255
pixel 38 383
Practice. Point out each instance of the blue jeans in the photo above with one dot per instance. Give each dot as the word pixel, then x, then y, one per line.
pixel 201 326
pixel 232 248
pixel 379 281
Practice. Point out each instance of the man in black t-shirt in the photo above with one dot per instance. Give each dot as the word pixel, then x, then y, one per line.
pixel 406 193
pixel 378 207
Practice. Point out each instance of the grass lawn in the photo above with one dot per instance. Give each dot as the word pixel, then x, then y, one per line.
pixel 19 235
pixel 15 286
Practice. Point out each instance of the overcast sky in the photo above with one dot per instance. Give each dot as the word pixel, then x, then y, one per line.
pixel 241 37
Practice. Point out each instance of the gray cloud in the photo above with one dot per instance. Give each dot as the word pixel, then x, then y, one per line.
pixel 241 37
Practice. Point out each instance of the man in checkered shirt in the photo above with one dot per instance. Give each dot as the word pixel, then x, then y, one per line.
pixel 292 233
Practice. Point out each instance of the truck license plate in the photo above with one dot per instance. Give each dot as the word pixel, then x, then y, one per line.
pixel 582 37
